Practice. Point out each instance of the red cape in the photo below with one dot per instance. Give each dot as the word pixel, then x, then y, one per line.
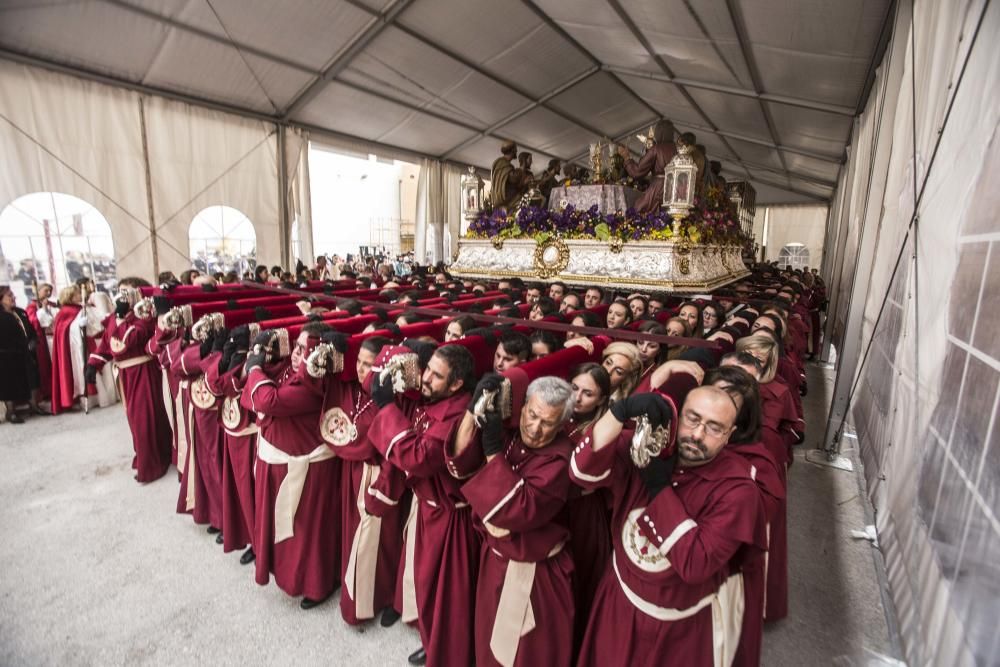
pixel 63 397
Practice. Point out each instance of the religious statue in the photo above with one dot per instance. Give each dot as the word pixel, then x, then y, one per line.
pixel 505 179
pixel 654 160
pixel 715 178
pixel 549 178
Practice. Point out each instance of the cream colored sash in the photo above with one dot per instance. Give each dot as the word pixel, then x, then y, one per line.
pixel 192 465
pixel 515 617
pixel 134 361
pixel 181 432
pixel 409 586
pixel 727 619
pixel 290 491
pixel 359 580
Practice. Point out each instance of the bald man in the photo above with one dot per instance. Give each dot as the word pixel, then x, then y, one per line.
pixel 673 589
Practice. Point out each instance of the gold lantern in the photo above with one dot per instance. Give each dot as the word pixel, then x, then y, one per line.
pixel 678 185
pixel 472 195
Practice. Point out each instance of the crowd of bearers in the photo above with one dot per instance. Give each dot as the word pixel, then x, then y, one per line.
pixel 526 473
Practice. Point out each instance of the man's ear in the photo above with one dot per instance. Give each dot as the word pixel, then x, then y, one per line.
pixel 455 386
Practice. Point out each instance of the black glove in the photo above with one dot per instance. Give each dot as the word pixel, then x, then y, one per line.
pixel 656 476
pixel 221 338
pixel 255 361
pixel 206 345
pixel 161 304
pixel 260 314
pixel 382 392
pixel 265 339
pixel 90 374
pixel 209 287
pixel 232 304
pixel 337 339
pixel 122 309
pixel 241 337
pixel 492 434
pixel 653 406
pixel 424 350
pixel 228 350
pixel 489 382
pixel 237 360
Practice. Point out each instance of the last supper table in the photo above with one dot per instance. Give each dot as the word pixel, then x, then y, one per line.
pixel 608 198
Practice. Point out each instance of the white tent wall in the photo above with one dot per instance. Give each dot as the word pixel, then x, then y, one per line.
pixel 200 158
pixel 805 224
pixel 63 134
pixel 922 301
pixel 438 211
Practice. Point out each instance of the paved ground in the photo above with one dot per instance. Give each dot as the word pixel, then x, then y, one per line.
pixel 97 570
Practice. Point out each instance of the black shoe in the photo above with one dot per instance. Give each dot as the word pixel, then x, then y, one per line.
pixel 247 557
pixel 308 603
pixel 15 418
pixel 389 617
pixel 418 657
pixel 218 538
pixel 212 530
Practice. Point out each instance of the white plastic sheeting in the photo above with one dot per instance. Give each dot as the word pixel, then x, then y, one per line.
pixel 769 86
pixel 59 133
pixel 803 224
pixel 927 393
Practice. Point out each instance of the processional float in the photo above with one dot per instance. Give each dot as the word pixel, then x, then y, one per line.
pixel 588 234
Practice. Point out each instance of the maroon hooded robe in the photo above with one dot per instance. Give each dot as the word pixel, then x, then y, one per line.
pixel 142 392
pixel 519 500
pixel 413 437
pixel 63 389
pixel 288 409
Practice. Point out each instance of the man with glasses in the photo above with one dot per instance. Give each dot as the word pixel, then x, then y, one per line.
pixel 682 527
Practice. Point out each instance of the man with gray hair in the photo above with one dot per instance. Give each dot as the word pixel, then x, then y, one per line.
pixel 524 598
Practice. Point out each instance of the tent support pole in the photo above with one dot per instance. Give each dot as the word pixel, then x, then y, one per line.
pixel 284 227
pixel 149 188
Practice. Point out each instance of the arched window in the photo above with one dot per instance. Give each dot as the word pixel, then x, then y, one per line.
pixel 222 239
pixel 793 256
pixel 54 238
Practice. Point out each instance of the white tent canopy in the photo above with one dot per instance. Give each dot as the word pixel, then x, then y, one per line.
pixel 769 87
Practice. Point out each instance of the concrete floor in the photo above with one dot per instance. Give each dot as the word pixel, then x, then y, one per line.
pixel 97 570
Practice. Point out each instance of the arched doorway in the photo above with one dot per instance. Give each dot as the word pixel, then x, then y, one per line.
pixel 54 238
pixel 793 256
pixel 222 239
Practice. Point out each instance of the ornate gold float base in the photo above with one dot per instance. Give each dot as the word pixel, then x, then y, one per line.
pixel 640 265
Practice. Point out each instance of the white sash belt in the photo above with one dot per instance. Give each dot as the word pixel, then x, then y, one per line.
pixel 727 613
pixel 250 429
pixel 290 492
pixel 134 361
pixel 515 617
pixel 359 579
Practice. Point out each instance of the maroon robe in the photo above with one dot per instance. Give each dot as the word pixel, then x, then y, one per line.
pixel 445 565
pixel 518 500
pixel 239 451
pixel 166 345
pixel 777 434
pixel 375 539
pixel 770 480
pixel 193 496
pixel 672 553
pixel 42 348
pixel 590 539
pixel 142 392
pixel 307 563
pixel 63 389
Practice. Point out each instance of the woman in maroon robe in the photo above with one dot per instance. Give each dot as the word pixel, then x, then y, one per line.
pixel 64 392
pixel 40 314
pixel 141 385
pixel 655 161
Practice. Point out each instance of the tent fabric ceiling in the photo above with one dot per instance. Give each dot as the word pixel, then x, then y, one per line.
pixel 770 87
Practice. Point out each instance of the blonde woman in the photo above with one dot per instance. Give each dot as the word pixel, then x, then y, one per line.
pixel 778 420
pixel 623 363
